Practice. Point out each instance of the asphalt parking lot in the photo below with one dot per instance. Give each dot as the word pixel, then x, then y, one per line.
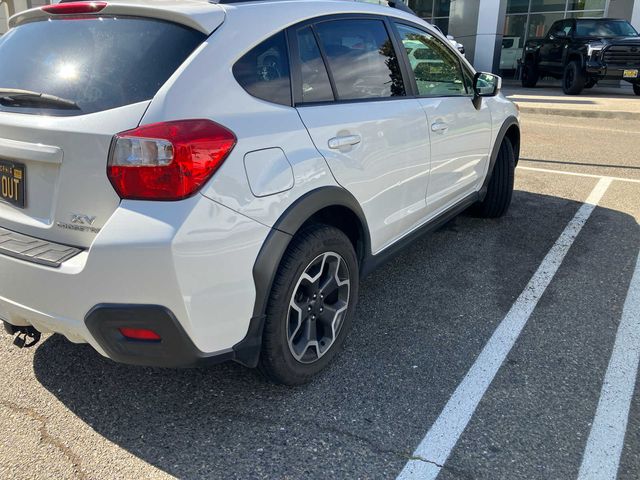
pixel 429 327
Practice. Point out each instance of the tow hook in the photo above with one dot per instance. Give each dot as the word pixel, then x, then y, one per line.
pixel 26 336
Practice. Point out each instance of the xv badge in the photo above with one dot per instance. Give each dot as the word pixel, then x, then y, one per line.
pixel 80 219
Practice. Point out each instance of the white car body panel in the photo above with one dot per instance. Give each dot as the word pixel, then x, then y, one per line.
pixel 460 149
pixel 509 56
pixel 179 254
pixel 65 170
pixel 268 172
pixel 387 170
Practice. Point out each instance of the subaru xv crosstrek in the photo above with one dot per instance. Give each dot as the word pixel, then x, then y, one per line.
pixel 187 182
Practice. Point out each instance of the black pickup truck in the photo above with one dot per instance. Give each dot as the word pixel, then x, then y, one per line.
pixel 582 51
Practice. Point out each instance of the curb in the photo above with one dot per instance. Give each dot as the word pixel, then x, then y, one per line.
pixel 567 112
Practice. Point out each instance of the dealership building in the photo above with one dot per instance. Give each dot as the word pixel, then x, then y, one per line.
pixel 493 32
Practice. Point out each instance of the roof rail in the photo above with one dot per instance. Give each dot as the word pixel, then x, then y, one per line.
pixel 398 4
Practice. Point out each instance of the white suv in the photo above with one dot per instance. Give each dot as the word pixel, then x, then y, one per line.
pixel 186 182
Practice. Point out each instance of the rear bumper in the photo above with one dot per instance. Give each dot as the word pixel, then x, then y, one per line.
pixel 175 349
pixel 192 259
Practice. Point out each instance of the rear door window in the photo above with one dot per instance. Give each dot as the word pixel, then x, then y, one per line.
pixel 316 86
pixel 361 59
pixel 264 71
pixel 98 63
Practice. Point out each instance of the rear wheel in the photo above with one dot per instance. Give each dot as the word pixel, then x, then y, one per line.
pixel 500 189
pixel 574 78
pixel 311 305
pixel 530 75
pixel 636 88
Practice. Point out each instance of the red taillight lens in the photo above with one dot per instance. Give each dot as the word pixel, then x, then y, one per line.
pixel 71 8
pixel 169 160
pixel 140 334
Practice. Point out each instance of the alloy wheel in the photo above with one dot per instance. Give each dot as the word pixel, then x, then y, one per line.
pixel 318 307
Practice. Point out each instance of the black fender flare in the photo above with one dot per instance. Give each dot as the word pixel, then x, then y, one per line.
pixel 572 54
pixel 247 351
pixel 506 125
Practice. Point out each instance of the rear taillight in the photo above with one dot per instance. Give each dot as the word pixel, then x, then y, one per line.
pixel 169 160
pixel 71 8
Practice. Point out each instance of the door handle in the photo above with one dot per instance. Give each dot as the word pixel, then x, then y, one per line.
pixel 344 141
pixel 439 127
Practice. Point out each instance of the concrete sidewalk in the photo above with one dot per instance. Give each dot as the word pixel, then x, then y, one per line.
pixel 598 102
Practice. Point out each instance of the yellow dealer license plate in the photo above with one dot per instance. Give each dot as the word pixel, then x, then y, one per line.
pixel 12 178
pixel 630 73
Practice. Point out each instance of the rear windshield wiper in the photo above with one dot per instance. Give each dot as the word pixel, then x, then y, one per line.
pixel 13 97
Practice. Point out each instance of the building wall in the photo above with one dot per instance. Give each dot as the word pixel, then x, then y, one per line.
pixel 4 17
pixel 11 7
pixel 463 24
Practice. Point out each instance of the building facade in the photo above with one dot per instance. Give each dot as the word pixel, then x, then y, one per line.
pixel 493 32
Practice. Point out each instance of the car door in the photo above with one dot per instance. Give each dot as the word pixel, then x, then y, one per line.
pixel 350 93
pixel 552 51
pixel 460 127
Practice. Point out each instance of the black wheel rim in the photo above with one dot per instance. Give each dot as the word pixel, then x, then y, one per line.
pixel 318 307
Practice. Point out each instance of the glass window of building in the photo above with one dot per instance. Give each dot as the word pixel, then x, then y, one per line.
pixel 433 11
pixel 532 19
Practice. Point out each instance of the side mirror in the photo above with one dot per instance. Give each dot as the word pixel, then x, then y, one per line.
pixel 486 84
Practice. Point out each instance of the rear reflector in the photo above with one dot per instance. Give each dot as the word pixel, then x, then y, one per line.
pixel 71 8
pixel 139 334
pixel 169 160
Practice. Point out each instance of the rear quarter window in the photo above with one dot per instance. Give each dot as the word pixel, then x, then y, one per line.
pixel 264 71
pixel 98 62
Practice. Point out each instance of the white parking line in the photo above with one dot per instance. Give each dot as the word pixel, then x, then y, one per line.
pixel 602 454
pixel 576 174
pixel 433 451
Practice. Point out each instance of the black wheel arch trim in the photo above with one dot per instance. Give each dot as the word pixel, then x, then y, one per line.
pixel 247 352
pixel 506 125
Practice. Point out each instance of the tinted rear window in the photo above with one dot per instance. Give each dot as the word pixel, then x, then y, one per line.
pixel 100 62
pixel 361 58
pixel 264 71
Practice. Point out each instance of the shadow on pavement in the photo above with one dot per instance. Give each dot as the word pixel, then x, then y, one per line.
pixel 421 321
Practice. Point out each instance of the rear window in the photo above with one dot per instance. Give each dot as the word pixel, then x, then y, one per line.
pixel 264 71
pixel 98 62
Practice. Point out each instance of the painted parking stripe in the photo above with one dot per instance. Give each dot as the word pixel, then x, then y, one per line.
pixel 602 454
pixel 577 174
pixel 433 451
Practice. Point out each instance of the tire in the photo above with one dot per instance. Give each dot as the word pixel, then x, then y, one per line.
pixel 530 75
pixel 636 89
pixel 500 189
pixel 574 79
pixel 319 253
pixel 591 82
